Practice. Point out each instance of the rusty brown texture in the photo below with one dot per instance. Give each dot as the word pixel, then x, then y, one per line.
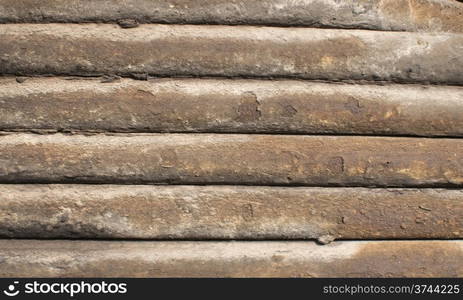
pixel 401 15
pixel 229 106
pixel 231 159
pixel 231 51
pixel 32 258
pixel 228 212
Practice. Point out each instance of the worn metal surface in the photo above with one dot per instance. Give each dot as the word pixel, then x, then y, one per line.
pixel 228 212
pixel 231 159
pixel 228 106
pixel 407 15
pixel 32 258
pixel 240 51
pixel 305 187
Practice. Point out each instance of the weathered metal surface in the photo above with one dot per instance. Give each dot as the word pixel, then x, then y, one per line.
pixel 231 51
pixel 228 212
pixel 32 258
pixel 231 159
pixel 402 15
pixel 228 106
pixel 110 123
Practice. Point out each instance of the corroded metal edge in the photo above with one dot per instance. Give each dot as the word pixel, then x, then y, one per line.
pixel 231 51
pixel 231 159
pixel 32 258
pixel 401 15
pixel 228 212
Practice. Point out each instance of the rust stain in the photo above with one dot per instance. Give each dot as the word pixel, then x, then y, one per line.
pixel 248 109
pixel 368 259
pixel 405 259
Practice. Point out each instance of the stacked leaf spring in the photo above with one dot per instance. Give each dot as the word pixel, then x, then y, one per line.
pixel 313 138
